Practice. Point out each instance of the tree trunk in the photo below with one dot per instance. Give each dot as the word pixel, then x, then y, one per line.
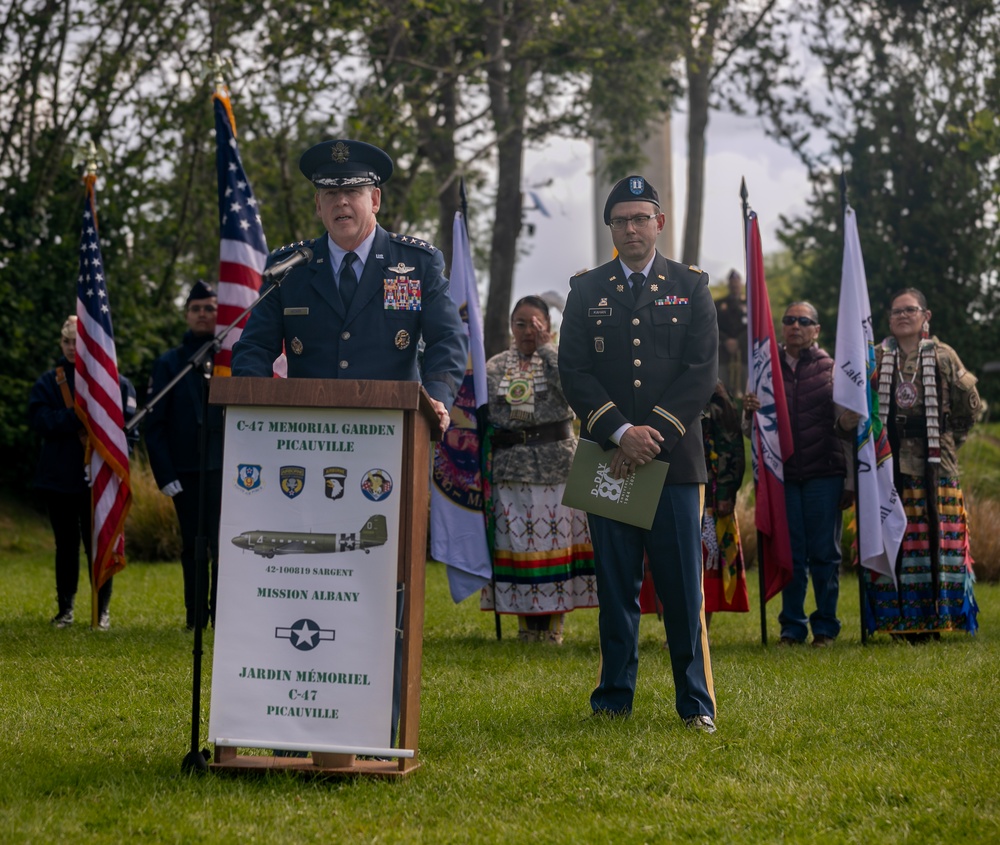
pixel 698 76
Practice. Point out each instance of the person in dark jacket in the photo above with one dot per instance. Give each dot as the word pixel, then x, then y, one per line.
pixel 815 491
pixel 173 439
pixel 61 474
pixel 638 362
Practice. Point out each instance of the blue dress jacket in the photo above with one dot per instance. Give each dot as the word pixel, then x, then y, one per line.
pixel 402 299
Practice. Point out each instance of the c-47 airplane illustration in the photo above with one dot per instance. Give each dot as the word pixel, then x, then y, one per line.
pixel 270 543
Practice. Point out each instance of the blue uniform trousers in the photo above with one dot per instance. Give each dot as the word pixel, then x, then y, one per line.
pixel 673 545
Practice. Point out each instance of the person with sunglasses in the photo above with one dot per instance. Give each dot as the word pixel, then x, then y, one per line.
pixel 172 439
pixel 817 484
pixel 927 402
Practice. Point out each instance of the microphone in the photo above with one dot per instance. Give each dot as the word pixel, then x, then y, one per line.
pixel 280 269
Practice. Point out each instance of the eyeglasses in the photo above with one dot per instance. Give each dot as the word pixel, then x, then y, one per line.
pixel 908 311
pixel 789 320
pixel 640 221
pixel 202 309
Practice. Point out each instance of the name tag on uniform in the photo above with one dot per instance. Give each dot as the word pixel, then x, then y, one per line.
pixel 598 312
pixel 296 312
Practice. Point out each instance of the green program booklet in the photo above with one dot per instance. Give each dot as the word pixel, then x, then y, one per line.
pixel 591 488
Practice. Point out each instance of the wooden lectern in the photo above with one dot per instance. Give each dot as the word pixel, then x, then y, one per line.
pixel 419 428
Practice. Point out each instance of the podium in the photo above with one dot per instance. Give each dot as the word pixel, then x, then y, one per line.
pixel 324 516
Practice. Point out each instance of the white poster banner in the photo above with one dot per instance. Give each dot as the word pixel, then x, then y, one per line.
pixel 308 547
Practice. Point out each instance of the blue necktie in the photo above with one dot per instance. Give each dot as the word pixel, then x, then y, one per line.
pixel 636 279
pixel 348 279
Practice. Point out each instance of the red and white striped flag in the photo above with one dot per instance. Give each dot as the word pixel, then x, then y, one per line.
pixel 242 248
pixel 771 441
pixel 98 404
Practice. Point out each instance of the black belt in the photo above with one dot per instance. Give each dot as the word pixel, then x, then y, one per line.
pixel 548 433
pixel 911 426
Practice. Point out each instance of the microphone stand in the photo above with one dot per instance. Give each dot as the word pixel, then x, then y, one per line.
pixel 196 760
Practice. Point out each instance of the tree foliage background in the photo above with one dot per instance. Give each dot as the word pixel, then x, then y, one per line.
pixel 905 106
pixel 901 95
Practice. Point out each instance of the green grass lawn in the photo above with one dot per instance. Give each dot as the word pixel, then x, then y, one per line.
pixel 883 743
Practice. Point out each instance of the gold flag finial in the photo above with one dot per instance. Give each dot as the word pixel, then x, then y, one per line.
pixel 218 66
pixel 89 155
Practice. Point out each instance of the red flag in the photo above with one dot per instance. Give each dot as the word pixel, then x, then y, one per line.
pixel 98 404
pixel 242 248
pixel 771 440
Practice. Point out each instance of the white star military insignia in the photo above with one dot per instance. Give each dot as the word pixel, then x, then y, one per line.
pixel 401 269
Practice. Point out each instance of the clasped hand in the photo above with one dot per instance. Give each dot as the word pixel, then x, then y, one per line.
pixel 639 445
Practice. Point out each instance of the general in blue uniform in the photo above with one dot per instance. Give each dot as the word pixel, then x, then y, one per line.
pixel 397 291
pixel 173 439
pixel 362 304
pixel 638 362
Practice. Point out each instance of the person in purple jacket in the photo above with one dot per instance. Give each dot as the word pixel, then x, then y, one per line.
pixel 815 489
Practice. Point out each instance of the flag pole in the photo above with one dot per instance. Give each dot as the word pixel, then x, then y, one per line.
pixel 744 195
pixel 482 425
pixel 90 183
pixel 854 457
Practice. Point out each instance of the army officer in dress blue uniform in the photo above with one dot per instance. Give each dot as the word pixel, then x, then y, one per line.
pixel 359 307
pixel 638 362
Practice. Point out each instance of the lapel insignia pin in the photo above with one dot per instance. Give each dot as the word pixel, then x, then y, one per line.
pixel 402 339
pixel 620 288
pixel 296 346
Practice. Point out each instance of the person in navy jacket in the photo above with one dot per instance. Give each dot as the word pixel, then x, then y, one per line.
pixel 638 361
pixel 61 474
pixel 173 436
pixel 363 304
pixel 394 296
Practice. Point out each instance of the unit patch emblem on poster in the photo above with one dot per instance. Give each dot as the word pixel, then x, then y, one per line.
pixel 333 482
pixel 248 478
pixel 293 480
pixel 376 485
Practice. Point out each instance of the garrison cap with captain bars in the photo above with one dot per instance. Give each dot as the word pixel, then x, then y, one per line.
pixel 345 164
pixel 630 189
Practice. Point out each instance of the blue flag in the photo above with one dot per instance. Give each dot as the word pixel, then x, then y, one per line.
pixel 458 519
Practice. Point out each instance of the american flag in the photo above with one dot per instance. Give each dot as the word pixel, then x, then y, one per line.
pixel 99 404
pixel 242 248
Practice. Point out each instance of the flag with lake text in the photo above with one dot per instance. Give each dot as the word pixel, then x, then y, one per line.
pixel 880 517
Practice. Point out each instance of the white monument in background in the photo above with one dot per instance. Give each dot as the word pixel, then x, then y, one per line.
pixel 658 172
